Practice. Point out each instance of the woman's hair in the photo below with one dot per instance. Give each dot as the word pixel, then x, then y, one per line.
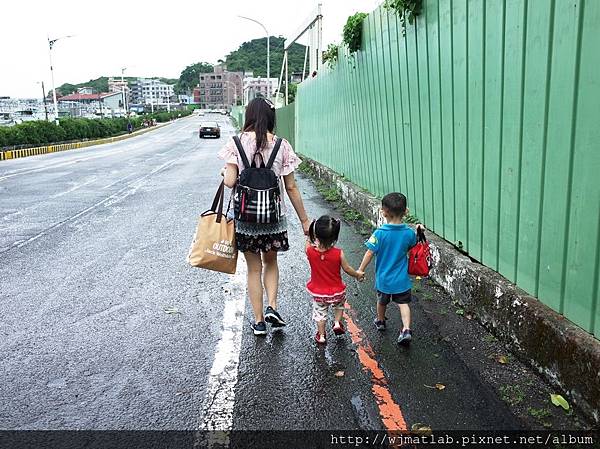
pixel 326 230
pixel 260 118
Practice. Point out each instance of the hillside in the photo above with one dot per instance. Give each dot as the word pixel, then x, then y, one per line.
pixel 252 57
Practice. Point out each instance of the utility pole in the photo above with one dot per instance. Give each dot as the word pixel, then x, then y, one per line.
pixel 123 91
pixel 44 99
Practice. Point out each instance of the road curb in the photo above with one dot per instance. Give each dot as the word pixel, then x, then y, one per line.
pixel 563 353
pixel 46 149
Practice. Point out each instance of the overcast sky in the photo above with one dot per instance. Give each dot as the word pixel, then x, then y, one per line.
pixel 150 39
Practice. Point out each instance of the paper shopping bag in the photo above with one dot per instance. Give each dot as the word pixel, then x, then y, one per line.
pixel 213 247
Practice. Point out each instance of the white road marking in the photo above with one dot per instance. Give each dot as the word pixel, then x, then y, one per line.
pixel 217 407
pixel 75 187
pixel 135 184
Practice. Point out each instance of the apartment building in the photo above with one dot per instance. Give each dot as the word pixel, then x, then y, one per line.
pixel 220 89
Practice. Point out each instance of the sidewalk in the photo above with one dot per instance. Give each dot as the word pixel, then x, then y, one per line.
pixel 480 384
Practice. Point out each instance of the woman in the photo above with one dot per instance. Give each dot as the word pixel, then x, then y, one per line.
pixel 259 242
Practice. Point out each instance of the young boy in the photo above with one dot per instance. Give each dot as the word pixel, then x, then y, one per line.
pixel 390 244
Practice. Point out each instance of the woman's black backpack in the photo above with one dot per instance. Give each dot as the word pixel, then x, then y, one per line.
pixel 257 196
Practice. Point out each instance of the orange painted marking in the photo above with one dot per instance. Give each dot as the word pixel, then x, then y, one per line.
pixel 390 412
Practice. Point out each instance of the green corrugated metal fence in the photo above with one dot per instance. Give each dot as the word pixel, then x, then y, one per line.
pixel 487 115
pixel 286 123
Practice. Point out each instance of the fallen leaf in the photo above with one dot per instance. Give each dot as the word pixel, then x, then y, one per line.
pixel 421 429
pixel 172 310
pixel 339 374
pixel 559 401
pixel 436 386
pixel 502 359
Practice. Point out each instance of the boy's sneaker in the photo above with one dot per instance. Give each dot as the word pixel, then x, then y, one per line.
pixel 276 327
pixel 338 328
pixel 405 337
pixel 259 328
pixel 320 338
pixel 272 317
pixel 380 325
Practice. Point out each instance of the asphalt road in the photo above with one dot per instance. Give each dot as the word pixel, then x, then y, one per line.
pixel 104 326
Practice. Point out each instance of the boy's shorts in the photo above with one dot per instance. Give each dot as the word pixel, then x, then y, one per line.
pixel 398 298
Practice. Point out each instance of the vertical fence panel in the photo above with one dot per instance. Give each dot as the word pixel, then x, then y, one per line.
pixel 486 116
pixel 447 118
pixel 435 115
pixel 494 88
pixel 582 261
pixel 475 124
pixel 537 83
pixel 558 154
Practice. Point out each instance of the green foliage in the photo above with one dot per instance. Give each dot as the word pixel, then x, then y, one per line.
pixel 330 56
pixel 40 132
pixel 405 9
pixel 190 76
pixel 292 90
pixel 352 33
pixel 512 394
pixel 252 57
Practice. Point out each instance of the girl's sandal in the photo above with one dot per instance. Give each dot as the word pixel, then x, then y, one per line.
pixel 320 339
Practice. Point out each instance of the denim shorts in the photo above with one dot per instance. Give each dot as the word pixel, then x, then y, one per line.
pixel 398 298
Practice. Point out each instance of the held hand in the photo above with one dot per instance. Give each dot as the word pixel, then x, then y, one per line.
pixel 305 225
pixel 420 227
pixel 360 275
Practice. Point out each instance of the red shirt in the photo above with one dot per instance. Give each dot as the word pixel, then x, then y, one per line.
pixel 325 278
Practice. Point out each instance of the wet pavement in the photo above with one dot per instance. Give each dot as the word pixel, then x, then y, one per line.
pixel 105 326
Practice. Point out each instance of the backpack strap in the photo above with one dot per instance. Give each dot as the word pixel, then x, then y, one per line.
pixel 241 151
pixel 274 152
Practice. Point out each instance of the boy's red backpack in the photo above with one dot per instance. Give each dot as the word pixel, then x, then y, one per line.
pixel 419 258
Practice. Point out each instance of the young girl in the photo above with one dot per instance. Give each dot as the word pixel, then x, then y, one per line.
pixel 325 284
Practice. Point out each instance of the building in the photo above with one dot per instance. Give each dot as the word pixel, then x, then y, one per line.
pixel 258 87
pixel 151 91
pixel 185 99
pixel 219 90
pixel 116 85
pixel 89 104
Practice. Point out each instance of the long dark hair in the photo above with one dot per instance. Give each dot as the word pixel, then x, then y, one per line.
pixel 260 118
pixel 326 230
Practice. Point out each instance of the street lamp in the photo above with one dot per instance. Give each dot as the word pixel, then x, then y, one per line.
pixel 268 53
pixel 123 91
pixel 51 43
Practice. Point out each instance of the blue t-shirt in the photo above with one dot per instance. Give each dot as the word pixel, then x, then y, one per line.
pixel 390 243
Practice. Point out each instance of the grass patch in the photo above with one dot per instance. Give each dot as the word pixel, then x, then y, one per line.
pixel 332 195
pixel 489 338
pixel 512 394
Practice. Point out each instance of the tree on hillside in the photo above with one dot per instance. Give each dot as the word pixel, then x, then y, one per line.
pixel 189 77
pixel 252 57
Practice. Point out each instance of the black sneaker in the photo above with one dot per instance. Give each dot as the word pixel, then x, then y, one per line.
pixel 405 337
pixel 259 328
pixel 273 318
pixel 380 325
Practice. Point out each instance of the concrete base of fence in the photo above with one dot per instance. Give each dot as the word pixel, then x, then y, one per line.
pixel 566 355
